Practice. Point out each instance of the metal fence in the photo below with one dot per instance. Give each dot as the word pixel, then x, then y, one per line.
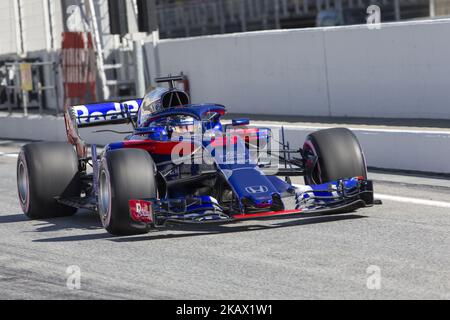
pixel 25 88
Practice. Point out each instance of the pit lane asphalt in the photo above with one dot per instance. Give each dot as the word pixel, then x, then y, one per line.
pixel 307 258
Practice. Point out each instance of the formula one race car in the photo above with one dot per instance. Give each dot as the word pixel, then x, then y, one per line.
pixel 181 164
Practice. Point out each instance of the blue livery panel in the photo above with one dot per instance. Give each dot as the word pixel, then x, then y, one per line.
pixel 102 112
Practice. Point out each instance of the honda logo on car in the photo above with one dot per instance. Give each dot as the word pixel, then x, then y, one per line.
pixel 257 189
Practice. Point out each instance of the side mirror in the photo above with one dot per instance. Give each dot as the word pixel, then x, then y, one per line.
pixel 132 117
pixel 240 122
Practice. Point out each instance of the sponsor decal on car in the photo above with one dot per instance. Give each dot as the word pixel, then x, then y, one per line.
pixel 141 211
pixel 257 189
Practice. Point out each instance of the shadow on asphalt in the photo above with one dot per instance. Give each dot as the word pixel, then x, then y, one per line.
pixel 193 230
pixel 82 221
pixel 13 218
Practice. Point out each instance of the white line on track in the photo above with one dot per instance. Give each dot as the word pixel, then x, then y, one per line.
pixel 432 203
pixel 363 129
pixel 423 202
pixel 9 155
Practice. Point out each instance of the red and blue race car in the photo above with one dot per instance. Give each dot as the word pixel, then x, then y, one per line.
pixel 181 163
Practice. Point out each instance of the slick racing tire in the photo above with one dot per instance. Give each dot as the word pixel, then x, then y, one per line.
pixel 125 175
pixel 338 153
pixel 46 171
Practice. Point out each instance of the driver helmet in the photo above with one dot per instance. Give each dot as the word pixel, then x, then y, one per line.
pixel 151 104
pixel 183 125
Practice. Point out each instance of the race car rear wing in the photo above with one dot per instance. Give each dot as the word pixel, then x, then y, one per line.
pixel 98 114
pixel 104 113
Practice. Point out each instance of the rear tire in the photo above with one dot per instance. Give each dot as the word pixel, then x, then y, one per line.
pixel 339 156
pixel 125 175
pixel 46 171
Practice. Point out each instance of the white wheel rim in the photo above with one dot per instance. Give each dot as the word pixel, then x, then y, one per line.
pixel 23 184
pixel 104 197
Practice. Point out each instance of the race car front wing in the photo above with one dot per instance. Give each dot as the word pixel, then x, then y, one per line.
pixel 336 197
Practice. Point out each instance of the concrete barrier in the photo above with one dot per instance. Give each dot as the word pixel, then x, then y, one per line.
pixel 398 71
pixel 418 150
pixel 51 128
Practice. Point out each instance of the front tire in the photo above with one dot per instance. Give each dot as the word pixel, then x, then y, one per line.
pixel 339 156
pixel 46 171
pixel 125 175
